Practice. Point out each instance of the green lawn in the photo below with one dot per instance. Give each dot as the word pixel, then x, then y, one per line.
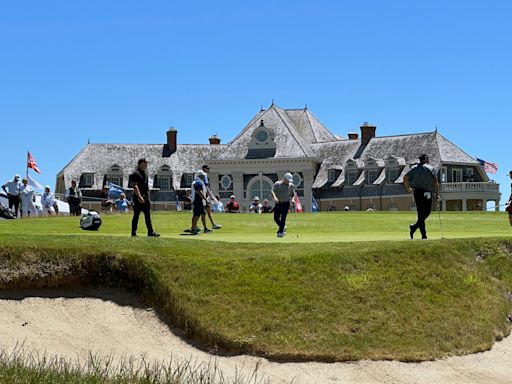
pixel 302 227
pixel 339 295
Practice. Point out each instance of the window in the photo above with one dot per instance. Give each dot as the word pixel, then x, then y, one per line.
pixel 444 174
pixel 260 187
pixel 164 183
pixel 372 175
pixel 456 175
pixel 225 182
pixel 297 180
pixel 117 180
pixel 186 180
pixel 86 180
pixel 332 175
pixel 351 178
pixel 392 174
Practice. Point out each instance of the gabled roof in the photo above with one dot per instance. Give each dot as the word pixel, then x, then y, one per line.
pixel 295 131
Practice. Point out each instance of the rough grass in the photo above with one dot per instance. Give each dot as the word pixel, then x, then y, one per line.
pixel 292 300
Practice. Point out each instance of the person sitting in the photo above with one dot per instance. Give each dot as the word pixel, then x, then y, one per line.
pixel 255 206
pixel 187 201
pixel 266 207
pixel 217 205
pixel 106 201
pixel 232 206
pixel 122 204
pixel 48 202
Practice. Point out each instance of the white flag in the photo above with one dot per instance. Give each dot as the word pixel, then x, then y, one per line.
pixel 34 183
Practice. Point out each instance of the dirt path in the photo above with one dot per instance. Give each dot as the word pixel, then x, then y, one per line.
pixel 109 321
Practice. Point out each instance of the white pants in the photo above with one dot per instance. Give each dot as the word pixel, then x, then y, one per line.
pixel 27 206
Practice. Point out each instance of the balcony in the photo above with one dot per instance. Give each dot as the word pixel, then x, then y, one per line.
pixel 469 187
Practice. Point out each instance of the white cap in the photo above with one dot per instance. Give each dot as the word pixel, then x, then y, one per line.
pixel 16 176
pixel 288 176
pixel 232 197
pixel 47 186
pixel 256 198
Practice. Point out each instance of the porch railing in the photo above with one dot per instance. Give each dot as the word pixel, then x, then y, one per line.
pixel 469 187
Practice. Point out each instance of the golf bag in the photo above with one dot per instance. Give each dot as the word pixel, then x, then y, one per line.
pixel 5 213
pixel 91 221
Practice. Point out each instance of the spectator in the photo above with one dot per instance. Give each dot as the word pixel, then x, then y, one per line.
pixel 217 205
pixel 187 201
pixel 255 206
pixel 232 206
pixel 106 201
pixel 122 204
pixel 13 194
pixel 266 207
pixel 199 198
pixel 28 196
pixel 74 199
pixel 48 202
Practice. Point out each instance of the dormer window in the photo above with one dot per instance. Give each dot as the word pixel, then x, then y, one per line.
pixel 262 143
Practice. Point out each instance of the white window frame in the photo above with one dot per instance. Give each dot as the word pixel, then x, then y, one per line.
pixel 88 179
pixel 259 179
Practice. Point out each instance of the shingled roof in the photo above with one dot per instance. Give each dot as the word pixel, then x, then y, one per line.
pixel 98 158
pixel 295 131
pixel 407 147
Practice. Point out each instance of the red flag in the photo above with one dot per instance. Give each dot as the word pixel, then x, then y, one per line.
pixel 31 163
pixel 298 205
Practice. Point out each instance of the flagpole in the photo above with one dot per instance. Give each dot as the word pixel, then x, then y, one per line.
pixel 26 164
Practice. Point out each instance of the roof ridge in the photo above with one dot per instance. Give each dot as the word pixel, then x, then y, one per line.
pixel 292 130
pixel 311 125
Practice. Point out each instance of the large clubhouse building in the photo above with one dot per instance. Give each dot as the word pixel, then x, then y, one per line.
pixel 360 172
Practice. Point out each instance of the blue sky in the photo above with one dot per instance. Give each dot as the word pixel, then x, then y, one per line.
pixel 125 71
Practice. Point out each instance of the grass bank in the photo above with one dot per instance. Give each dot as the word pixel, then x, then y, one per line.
pixel 400 300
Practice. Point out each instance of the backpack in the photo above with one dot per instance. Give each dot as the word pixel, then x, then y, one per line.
pixel 91 221
pixel 5 213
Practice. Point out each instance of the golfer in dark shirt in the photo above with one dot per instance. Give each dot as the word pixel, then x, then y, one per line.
pixel 139 182
pixel 421 180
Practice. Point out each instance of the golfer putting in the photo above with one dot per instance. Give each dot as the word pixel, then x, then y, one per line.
pixel 283 193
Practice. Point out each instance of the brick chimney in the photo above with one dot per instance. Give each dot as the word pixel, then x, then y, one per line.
pixel 214 140
pixel 367 132
pixel 171 140
pixel 353 136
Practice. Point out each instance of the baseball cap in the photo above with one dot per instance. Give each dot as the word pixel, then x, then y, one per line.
pixel 16 176
pixel 205 166
pixel 256 198
pixel 232 197
pixel 47 187
pixel 288 176
pixel 142 160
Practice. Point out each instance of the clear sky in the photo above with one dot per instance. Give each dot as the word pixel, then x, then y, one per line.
pixel 125 71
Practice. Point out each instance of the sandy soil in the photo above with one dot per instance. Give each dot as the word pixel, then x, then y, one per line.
pixel 71 324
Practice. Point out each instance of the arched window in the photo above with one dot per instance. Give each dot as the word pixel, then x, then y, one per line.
pixel 260 186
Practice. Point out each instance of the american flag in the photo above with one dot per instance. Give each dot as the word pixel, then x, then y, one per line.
pixel 488 167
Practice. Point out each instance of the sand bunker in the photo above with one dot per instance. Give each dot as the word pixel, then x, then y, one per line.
pixel 73 323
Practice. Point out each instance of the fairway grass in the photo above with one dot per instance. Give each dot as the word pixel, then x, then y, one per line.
pixel 329 291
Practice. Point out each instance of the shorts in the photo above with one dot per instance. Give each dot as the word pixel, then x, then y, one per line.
pixel 199 209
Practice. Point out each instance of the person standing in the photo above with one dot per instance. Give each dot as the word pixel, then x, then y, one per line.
pixel 74 199
pixel 13 194
pixel 209 197
pixel 138 180
pixel 421 180
pixel 199 203
pixel 283 192
pixel 28 196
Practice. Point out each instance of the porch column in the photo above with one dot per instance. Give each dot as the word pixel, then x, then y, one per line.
pixel 496 205
pixel 307 200
pixel 238 186
pixel 464 204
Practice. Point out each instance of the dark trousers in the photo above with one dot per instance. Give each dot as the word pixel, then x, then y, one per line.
pixel 280 213
pixel 14 201
pixel 75 209
pixel 423 207
pixel 137 209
